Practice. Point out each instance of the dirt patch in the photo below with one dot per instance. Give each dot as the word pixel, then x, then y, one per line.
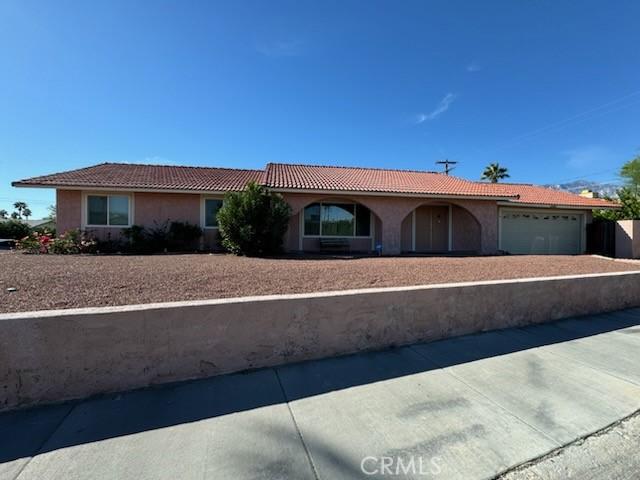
pixel 53 282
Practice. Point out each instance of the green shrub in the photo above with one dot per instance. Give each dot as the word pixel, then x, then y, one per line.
pixel 158 237
pixel 33 243
pixel 254 221
pixel 136 239
pixel 72 241
pixel 111 245
pixel 184 236
pixel 630 201
pixel 162 237
pixel 44 230
pixel 14 229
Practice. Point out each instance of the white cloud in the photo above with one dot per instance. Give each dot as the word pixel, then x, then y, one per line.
pixel 588 156
pixel 442 107
pixel 474 67
pixel 280 48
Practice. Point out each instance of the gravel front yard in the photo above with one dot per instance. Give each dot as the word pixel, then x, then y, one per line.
pixel 52 281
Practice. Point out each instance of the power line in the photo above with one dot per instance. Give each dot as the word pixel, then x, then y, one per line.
pixel 581 177
pixel 574 119
pixel 446 162
pixel 29 200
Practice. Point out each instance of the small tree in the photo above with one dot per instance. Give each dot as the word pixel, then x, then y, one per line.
pixel 630 207
pixel 4 214
pixel 628 196
pixel 254 221
pixel 14 229
pixel 494 172
pixel 630 172
pixel 52 212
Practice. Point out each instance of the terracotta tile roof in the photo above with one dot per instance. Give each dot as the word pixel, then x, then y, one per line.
pixel 148 177
pixel 535 195
pixel 305 177
pixel 375 180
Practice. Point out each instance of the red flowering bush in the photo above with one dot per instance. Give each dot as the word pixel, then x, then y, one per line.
pixel 34 243
pixel 71 241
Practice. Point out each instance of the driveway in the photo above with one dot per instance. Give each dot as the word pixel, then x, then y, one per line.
pixel 470 407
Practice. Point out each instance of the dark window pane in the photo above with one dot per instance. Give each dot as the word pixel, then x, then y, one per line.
pixel 337 219
pixel 363 221
pixel 211 207
pixel 96 210
pixel 312 219
pixel 118 210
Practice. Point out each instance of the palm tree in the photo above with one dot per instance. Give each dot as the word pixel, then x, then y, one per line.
pixel 494 172
pixel 20 207
pixel 26 213
pixel 3 214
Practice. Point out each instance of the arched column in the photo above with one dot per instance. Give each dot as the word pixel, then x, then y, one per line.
pixel 486 213
pixel 295 239
pixel 392 210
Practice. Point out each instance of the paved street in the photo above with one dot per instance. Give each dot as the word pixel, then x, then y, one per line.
pixel 467 408
pixel 610 454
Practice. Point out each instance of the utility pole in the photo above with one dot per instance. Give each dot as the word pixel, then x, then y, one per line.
pixel 446 162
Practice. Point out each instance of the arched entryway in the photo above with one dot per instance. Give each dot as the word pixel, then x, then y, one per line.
pixel 439 227
pixel 334 224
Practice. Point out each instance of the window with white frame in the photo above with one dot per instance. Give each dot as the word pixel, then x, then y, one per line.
pixel 211 207
pixel 108 210
pixel 337 219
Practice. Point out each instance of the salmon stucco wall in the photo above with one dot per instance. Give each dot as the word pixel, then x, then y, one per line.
pixel 155 208
pixel 69 216
pixel 172 207
pixel 149 210
pixel 406 233
pixel 68 210
pixel 628 239
pixel 476 220
pixel 465 231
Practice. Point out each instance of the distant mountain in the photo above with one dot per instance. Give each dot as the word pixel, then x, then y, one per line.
pixel 602 189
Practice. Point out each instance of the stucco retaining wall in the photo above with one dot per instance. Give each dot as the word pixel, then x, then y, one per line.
pixel 628 239
pixel 53 355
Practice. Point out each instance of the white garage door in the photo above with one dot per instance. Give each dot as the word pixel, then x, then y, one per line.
pixel 540 232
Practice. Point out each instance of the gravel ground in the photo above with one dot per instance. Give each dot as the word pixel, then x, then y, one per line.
pixel 53 281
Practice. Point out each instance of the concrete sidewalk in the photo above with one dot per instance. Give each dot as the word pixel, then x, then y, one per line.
pixel 470 407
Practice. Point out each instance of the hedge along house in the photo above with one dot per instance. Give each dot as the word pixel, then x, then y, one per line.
pixel 363 208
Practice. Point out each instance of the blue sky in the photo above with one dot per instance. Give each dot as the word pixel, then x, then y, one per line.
pixel 549 89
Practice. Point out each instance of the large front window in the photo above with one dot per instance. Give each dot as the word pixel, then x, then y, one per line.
pixel 211 207
pixel 337 220
pixel 108 210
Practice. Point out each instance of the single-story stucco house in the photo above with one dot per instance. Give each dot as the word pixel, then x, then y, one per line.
pixel 367 208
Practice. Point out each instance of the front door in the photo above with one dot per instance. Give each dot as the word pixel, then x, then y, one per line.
pixel 432 229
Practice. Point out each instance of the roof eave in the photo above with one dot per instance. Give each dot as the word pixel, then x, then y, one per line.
pixel 559 206
pixel 107 188
pixel 391 194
